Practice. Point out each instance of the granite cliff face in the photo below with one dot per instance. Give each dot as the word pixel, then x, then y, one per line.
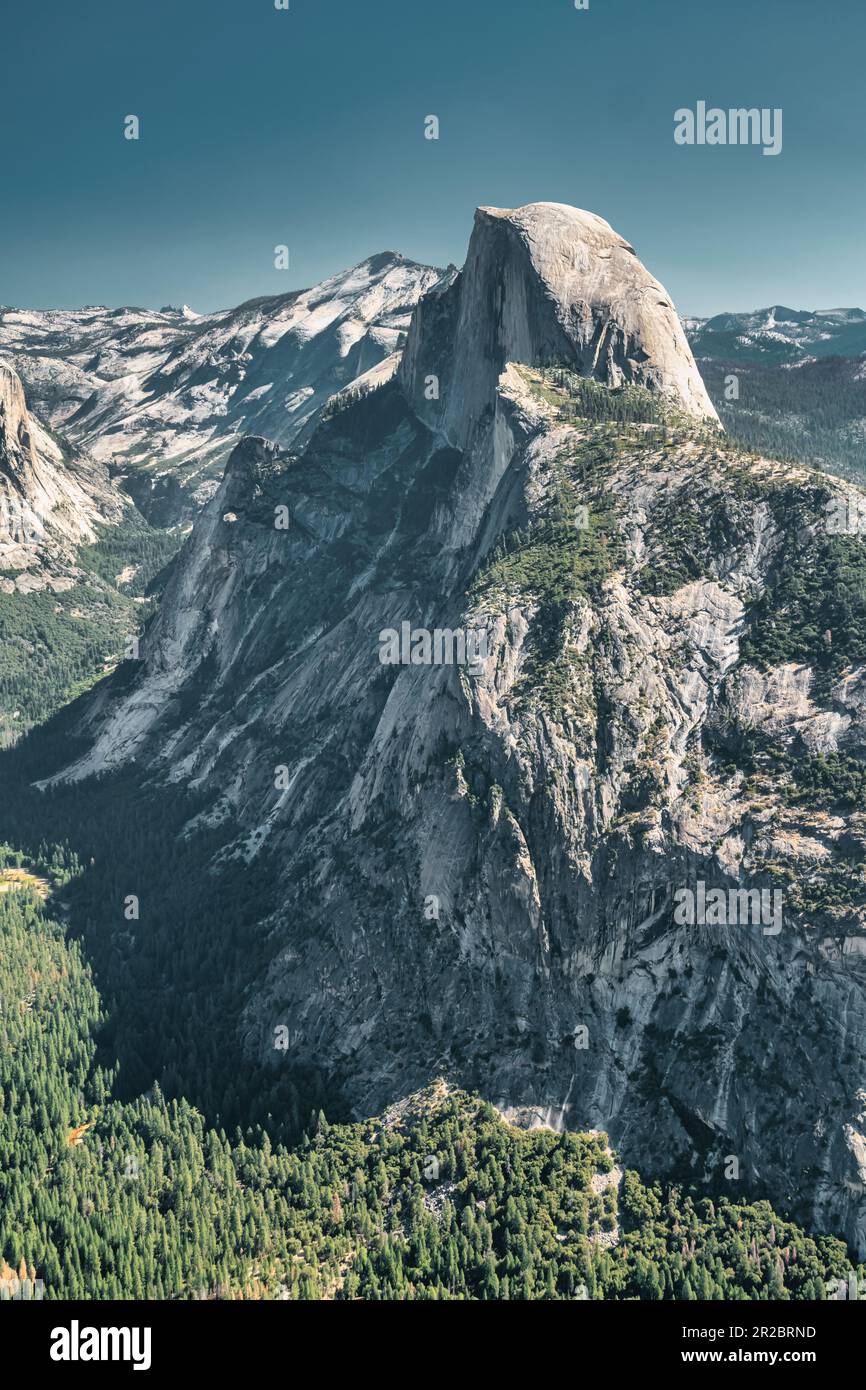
pixel 52 498
pixel 476 868
pixel 544 284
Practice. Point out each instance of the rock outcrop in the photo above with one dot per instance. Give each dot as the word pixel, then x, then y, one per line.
pixel 51 500
pixel 476 866
pixel 544 284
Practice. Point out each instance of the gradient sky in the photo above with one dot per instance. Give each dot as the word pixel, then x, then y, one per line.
pixel 305 127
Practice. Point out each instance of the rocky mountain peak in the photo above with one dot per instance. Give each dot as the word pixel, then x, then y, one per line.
pixel 544 284
pixel 251 461
pixel 13 410
pixel 183 311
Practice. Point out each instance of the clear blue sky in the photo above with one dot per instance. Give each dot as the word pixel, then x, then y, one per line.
pixel 305 127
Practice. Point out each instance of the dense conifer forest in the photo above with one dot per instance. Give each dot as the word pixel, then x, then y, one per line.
pixel 812 413
pixel 438 1198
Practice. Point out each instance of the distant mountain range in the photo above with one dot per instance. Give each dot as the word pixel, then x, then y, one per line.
pixel 163 396
pixel 789 382
pixel 779 335
pixel 100 408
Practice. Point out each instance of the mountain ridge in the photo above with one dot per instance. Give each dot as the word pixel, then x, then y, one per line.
pixel 163 397
pixel 777 334
pixel 497 849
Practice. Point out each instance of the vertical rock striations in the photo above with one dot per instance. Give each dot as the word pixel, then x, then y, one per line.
pixel 545 284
